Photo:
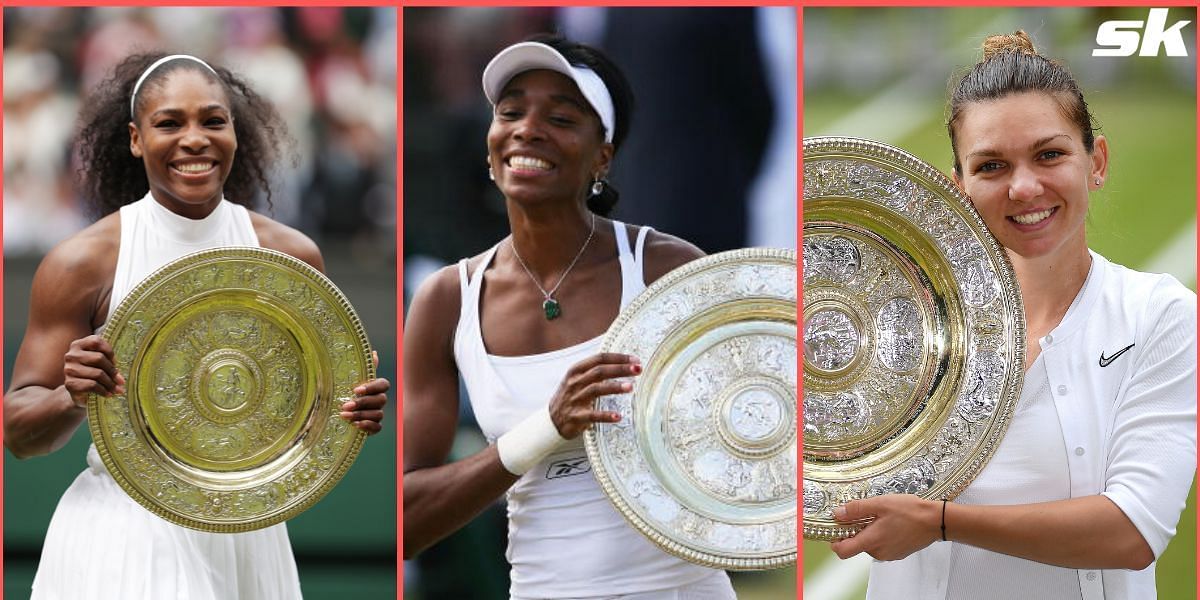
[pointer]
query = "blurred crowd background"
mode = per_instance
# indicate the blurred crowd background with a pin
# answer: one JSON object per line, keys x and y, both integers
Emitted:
{"x": 331, "y": 72}
{"x": 710, "y": 157}
{"x": 883, "y": 74}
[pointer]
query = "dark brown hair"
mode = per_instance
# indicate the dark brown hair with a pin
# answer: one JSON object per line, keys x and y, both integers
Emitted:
{"x": 112, "y": 177}
{"x": 1011, "y": 65}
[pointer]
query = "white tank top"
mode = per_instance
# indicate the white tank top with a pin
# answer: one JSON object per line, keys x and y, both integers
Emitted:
{"x": 152, "y": 236}
{"x": 565, "y": 539}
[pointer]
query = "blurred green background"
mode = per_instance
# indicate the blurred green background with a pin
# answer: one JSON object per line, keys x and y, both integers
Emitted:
{"x": 883, "y": 74}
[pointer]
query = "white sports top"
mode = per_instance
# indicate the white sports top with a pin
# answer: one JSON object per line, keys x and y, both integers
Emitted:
{"x": 1030, "y": 465}
{"x": 565, "y": 539}
{"x": 152, "y": 236}
{"x": 132, "y": 553}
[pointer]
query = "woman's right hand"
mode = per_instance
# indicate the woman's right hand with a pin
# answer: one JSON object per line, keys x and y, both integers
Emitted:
{"x": 88, "y": 369}
{"x": 598, "y": 375}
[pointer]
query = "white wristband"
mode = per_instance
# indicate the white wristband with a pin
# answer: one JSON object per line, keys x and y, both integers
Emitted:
{"x": 529, "y": 442}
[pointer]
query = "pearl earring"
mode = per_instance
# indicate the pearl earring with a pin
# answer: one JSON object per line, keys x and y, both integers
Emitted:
{"x": 597, "y": 187}
{"x": 491, "y": 174}
{"x": 1098, "y": 182}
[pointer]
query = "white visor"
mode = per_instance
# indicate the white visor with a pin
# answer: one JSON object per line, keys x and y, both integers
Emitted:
{"x": 527, "y": 56}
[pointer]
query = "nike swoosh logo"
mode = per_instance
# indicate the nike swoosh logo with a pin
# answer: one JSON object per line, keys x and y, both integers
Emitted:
{"x": 1104, "y": 362}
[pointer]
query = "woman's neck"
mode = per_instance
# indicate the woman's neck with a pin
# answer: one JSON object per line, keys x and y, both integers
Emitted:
{"x": 1049, "y": 285}
{"x": 548, "y": 238}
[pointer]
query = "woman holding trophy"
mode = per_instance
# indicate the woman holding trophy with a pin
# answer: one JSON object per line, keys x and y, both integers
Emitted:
{"x": 1086, "y": 487}
{"x": 522, "y": 323}
{"x": 195, "y": 143}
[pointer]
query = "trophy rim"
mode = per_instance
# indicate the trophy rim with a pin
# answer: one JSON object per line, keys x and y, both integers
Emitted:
{"x": 923, "y": 175}
{"x": 600, "y": 468}
{"x": 263, "y": 258}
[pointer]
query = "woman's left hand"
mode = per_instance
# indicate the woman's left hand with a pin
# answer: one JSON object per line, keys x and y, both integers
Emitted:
{"x": 903, "y": 524}
{"x": 365, "y": 411}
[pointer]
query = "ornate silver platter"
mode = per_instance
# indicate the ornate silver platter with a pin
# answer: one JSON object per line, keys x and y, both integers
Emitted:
{"x": 703, "y": 461}
{"x": 236, "y": 361}
{"x": 913, "y": 331}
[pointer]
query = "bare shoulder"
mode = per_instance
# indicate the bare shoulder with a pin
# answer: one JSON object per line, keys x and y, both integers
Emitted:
{"x": 88, "y": 257}
{"x": 77, "y": 274}
{"x": 276, "y": 236}
{"x": 664, "y": 252}
{"x": 437, "y": 298}
{"x": 431, "y": 319}
{"x": 441, "y": 288}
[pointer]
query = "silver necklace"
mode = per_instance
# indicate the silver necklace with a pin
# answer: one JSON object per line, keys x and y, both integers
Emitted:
{"x": 550, "y": 306}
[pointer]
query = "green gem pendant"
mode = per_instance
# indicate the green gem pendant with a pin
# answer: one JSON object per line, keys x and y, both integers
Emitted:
{"x": 551, "y": 308}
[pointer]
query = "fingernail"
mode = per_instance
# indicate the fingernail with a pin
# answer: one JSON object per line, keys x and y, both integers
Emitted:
{"x": 637, "y": 369}
{"x": 346, "y": 415}
{"x": 615, "y": 417}
{"x": 360, "y": 390}
{"x": 627, "y": 387}
{"x": 839, "y": 513}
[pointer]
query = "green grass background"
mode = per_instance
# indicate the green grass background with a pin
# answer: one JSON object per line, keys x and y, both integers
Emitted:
{"x": 1145, "y": 106}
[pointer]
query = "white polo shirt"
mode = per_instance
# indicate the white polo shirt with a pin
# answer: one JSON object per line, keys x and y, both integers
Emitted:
{"x": 1121, "y": 371}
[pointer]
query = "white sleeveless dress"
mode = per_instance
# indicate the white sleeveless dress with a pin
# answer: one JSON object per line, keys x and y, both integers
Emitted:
{"x": 101, "y": 545}
{"x": 565, "y": 539}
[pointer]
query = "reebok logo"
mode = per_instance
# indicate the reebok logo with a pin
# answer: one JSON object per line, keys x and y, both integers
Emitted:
{"x": 568, "y": 467}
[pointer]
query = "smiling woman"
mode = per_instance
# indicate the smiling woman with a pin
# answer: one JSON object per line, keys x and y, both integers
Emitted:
{"x": 1084, "y": 491}
{"x": 522, "y": 323}
{"x": 165, "y": 130}
{"x": 187, "y": 142}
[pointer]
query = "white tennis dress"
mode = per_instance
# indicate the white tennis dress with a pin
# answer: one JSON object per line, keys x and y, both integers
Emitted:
{"x": 565, "y": 539}
{"x": 101, "y": 545}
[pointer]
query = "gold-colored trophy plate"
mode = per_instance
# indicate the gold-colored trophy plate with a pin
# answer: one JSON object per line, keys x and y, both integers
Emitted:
{"x": 914, "y": 332}
{"x": 236, "y": 362}
{"x": 703, "y": 460}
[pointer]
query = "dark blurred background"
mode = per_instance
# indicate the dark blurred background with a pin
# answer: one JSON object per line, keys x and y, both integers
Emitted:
{"x": 331, "y": 72}
{"x": 711, "y": 157}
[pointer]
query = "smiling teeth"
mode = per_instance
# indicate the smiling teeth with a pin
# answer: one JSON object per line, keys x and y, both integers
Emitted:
{"x": 528, "y": 162}
{"x": 194, "y": 167}
{"x": 1031, "y": 218}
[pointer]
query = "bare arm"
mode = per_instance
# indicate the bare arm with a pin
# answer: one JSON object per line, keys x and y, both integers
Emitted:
{"x": 439, "y": 498}
{"x": 663, "y": 253}
{"x": 1082, "y": 533}
{"x": 281, "y": 238}
{"x": 60, "y": 361}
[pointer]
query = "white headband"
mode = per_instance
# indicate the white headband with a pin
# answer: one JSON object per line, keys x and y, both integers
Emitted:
{"x": 527, "y": 56}
{"x": 156, "y": 64}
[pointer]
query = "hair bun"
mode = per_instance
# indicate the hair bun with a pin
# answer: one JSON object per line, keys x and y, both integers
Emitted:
{"x": 1017, "y": 42}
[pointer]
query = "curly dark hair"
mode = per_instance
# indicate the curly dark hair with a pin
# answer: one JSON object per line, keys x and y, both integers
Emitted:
{"x": 111, "y": 177}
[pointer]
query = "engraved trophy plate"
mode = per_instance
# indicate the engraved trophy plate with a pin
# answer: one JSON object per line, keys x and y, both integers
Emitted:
{"x": 913, "y": 331}
{"x": 236, "y": 361}
{"x": 703, "y": 461}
